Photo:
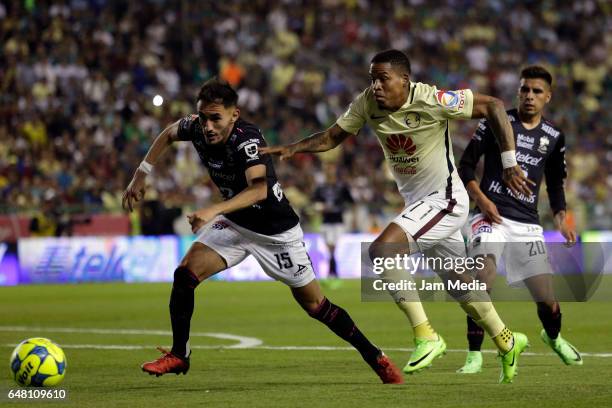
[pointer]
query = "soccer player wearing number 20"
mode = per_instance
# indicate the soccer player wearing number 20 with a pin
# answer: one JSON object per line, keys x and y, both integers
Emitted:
{"x": 507, "y": 218}
{"x": 255, "y": 218}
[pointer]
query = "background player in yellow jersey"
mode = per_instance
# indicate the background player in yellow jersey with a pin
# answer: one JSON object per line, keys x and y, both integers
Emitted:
{"x": 411, "y": 122}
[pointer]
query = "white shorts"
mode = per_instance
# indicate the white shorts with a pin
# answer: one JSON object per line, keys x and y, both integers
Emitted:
{"x": 332, "y": 232}
{"x": 283, "y": 256}
{"x": 435, "y": 222}
{"x": 520, "y": 245}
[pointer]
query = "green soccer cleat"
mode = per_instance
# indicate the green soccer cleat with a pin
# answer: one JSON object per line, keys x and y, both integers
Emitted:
{"x": 568, "y": 353}
{"x": 473, "y": 363}
{"x": 424, "y": 353}
{"x": 509, "y": 361}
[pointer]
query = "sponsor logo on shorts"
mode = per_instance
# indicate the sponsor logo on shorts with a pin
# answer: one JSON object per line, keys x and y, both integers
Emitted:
{"x": 219, "y": 225}
{"x": 481, "y": 226}
{"x": 300, "y": 271}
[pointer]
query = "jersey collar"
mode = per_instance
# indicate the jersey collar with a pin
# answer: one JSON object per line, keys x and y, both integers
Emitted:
{"x": 410, "y": 97}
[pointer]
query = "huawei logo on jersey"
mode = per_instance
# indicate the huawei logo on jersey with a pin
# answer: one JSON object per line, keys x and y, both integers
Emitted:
{"x": 396, "y": 143}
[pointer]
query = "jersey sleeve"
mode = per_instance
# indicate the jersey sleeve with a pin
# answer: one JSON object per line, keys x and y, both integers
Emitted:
{"x": 186, "y": 128}
{"x": 556, "y": 173}
{"x": 443, "y": 105}
{"x": 355, "y": 116}
{"x": 248, "y": 146}
{"x": 474, "y": 150}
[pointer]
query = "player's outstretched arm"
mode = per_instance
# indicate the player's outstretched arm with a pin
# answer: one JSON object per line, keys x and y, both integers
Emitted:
{"x": 256, "y": 191}
{"x": 317, "y": 142}
{"x": 494, "y": 111}
{"x": 135, "y": 190}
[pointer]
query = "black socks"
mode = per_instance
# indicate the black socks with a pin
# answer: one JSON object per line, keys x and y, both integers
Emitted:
{"x": 475, "y": 334}
{"x": 550, "y": 316}
{"x": 181, "y": 309}
{"x": 339, "y": 321}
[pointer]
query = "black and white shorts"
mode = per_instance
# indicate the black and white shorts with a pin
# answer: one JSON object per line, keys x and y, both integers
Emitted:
{"x": 283, "y": 256}
{"x": 520, "y": 245}
{"x": 435, "y": 221}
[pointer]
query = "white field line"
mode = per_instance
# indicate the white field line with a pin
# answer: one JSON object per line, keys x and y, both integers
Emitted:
{"x": 243, "y": 342}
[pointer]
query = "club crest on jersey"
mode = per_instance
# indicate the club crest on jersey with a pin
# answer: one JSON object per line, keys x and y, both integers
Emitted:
{"x": 481, "y": 226}
{"x": 448, "y": 99}
{"x": 396, "y": 143}
{"x": 251, "y": 150}
{"x": 413, "y": 120}
{"x": 544, "y": 142}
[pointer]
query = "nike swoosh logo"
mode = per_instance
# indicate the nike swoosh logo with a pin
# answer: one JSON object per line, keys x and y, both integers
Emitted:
{"x": 577, "y": 353}
{"x": 512, "y": 363}
{"x": 421, "y": 359}
{"x": 374, "y": 117}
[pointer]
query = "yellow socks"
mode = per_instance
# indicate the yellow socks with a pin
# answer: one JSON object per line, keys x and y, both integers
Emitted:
{"x": 425, "y": 331}
{"x": 504, "y": 340}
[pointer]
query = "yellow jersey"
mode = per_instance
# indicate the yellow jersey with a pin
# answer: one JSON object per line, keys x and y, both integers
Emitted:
{"x": 415, "y": 138}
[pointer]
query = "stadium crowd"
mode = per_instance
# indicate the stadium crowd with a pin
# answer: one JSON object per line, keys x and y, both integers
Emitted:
{"x": 77, "y": 80}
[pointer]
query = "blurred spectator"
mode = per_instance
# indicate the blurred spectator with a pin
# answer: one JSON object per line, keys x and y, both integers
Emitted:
{"x": 77, "y": 83}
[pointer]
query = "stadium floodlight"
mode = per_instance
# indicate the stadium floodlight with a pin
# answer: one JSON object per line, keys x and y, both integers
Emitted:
{"x": 158, "y": 100}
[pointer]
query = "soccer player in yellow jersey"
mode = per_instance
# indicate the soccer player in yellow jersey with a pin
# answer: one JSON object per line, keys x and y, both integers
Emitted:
{"x": 410, "y": 120}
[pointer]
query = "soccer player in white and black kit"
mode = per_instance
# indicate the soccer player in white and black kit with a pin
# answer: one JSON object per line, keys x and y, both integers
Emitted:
{"x": 255, "y": 218}
{"x": 503, "y": 217}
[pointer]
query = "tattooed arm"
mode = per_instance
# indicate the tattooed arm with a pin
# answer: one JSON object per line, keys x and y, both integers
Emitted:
{"x": 317, "y": 142}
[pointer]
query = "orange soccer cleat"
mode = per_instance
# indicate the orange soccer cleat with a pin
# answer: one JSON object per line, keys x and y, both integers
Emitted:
{"x": 387, "y": 371}
{"x": 168, "y": 363}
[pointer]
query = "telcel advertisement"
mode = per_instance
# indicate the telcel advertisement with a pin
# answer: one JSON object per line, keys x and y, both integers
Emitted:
{"x": 85, "y": 259}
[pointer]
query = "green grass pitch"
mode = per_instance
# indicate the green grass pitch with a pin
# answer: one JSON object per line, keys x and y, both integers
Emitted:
{"x": 93, "y": 321}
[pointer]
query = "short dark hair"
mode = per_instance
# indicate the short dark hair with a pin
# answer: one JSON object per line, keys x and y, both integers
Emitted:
{"x": 536, "y": 72}
{"x": 216, "y": 90}
{"x": 393, "y": 57}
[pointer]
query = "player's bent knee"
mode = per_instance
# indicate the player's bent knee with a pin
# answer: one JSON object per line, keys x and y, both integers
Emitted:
{"x": 391, "y": 243}
{"x": 185, "y": 278}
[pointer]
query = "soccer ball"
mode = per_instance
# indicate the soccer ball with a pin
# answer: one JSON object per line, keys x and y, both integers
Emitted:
{"x": 38, "y": 362}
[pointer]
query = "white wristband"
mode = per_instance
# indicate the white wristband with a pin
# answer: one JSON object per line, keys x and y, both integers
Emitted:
{"x": 145, "y": 167}
{"x": 508, "y": 159}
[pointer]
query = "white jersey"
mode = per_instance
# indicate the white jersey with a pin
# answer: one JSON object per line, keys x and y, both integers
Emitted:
{"x": 415, "y": 138}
